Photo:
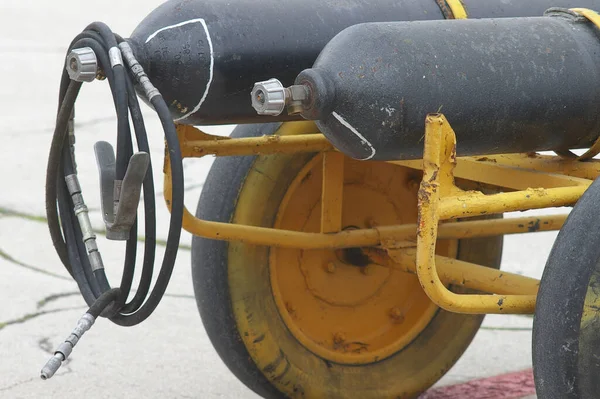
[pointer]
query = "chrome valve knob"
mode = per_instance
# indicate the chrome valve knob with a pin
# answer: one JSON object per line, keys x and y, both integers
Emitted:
{"x": 82, "y": 64}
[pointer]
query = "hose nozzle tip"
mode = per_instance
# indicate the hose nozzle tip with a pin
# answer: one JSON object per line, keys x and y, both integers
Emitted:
{"x": 65, "y": 349}
{"x": 52, "y": 366}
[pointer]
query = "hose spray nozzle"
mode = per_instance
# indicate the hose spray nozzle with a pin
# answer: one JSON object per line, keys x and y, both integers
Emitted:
{"x": 64, "y": 349}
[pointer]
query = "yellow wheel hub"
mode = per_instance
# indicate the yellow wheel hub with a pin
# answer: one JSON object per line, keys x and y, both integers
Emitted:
{"x": 334, "y": 302}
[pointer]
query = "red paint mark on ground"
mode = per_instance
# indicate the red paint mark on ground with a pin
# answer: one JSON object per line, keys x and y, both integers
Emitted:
{"x": 506, "y": 386}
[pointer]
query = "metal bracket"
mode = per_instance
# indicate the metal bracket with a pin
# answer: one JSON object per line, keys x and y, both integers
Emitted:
{"x": 119, "y": 198}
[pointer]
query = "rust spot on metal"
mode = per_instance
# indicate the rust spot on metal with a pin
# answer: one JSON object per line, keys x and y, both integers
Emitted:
{"x": 290, "y": 308}
{"x": 339, "y": 338}
{"x": 259, "y": 339}
{"x": 198, "y": 150}
{"x": 284, "y": 372}
{"x": 269, "y": 368}
{"x": 533, "y": 226}
{"x": 299, "y": 390}
{"x": 486, "y": 159}
{"x": 356, "y": 347}
{"x": 305, "y": 178}
{"x": 446, "y": 11}
{"x": 273, "y": 138}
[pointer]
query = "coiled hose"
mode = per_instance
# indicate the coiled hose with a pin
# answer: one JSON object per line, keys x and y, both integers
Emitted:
{"x": 65, "y": 231}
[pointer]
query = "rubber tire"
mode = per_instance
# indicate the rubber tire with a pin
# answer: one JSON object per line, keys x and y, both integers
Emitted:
{"x": 210, "y": 265}
{"x": 566, "y": 347}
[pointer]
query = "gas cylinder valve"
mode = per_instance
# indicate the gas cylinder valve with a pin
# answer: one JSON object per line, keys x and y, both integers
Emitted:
{"x": 270, "y": 97}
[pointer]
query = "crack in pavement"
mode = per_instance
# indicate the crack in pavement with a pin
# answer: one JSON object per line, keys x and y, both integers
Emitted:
{"x": 8, "y": 258}
{"x": 51, "y": 298}
{"x": 44, "y": 343}
{"x": 17, "y": 384}
{"x": 4, "y": 211}
{"x": 47, "y": 347}
{"x": 28, "y": 316}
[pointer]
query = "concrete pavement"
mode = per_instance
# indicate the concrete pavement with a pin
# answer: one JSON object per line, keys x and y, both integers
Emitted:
{"x": 168, "y": 356}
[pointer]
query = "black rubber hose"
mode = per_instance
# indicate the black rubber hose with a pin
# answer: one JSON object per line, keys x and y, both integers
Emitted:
{"x": 100, "y": 39}
{"x": 88, "y": 34}
{"x": 70, "y": 248}
{"x": 52, "y": 172}
{"x": 129, "y": 264}
{"x": 131, "y": 245}
{"x": 96, "y": 281}
{"x": 123, "y": 130}
{"x": 93, "y": 40}
{"x": 74, "y": 228}
{"x": 64, "y": 81}
{"x": 149, "y": 205}
{"x": 103, "y": 30}
{"x": 123, "y": 133}
{"x": 72, "y": 252}
{"x": 103, "y": 302}
{"x": 174, "y": 234}
{"x": 88, "y": 39}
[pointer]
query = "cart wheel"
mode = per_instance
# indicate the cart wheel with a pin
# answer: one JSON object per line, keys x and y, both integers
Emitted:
{"x": 309, "y": 323}
{"x": 566, "y": 327}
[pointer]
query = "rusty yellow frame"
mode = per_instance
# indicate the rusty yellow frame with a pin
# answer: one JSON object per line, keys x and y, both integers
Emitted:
{"x": 530, "y": 181}
{"x": 439, "y": 199}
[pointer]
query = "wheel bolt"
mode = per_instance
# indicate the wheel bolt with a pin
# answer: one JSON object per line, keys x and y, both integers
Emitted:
{"x": 396, "y": 315}
{"x": 413, "y": 184}
{"x": 290, "y": 308}
{"x": 368, "y": 270}
{"x": 330, "y": 268}
{"x": 371, "y": 223}
{"x": 339, "y": 338}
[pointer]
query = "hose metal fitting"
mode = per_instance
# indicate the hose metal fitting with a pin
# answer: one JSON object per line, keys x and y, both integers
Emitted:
{"x": 82, "y": 64}
{"x": 64, "y": 350}
{"x": 140, "y": 76}
{"x": 82, "y": 213}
